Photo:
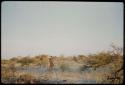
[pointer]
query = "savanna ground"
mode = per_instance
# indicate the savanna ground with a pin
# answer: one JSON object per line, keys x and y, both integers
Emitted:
{"x": 105, "y": 67}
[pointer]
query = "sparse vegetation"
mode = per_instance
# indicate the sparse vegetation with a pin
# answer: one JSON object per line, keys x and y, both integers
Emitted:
{"x": 88, "y": 68}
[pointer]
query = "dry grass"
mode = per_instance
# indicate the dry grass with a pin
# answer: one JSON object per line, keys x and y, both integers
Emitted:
{"x": 66, "y": 64}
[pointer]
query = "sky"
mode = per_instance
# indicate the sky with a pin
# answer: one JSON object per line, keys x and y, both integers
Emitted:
{"x": 56, "y": 28}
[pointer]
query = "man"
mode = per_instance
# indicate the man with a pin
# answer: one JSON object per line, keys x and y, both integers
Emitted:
{"x": 51, "y": 64}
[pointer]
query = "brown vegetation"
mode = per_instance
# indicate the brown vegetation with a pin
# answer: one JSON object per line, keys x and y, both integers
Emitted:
{"x": 107, "y": 59}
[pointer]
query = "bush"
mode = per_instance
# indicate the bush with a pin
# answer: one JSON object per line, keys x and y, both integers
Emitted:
{"x": 75, "y": 59}
{"x": 26, "y": 79}
{"x": 44, "y": 60}
{"x": 4, "y": 61}
{"x": 64, "y": 66}
{"x": 83, "y": 68}
{"x": 7, "y": 73}
{"x": 25, "y": 61}
{"x": 99, "y": 59}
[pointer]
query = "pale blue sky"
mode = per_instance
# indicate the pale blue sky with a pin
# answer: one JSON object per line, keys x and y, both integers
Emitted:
{"x": 54, "y": 28}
